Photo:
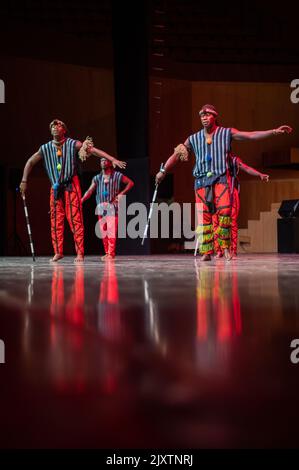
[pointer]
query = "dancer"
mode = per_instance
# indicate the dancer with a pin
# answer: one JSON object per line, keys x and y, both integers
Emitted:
{"x": 211, "y": 147}
{"x": 107, "y": 187}
{"x": 235, "y": 165}
{"x": 60, "y": 157}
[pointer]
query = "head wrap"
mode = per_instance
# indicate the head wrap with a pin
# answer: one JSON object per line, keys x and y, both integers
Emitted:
{"x": 208, "y": 108}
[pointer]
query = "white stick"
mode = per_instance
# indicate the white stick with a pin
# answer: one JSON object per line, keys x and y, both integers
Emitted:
{"x": 28, "y": 227}
{"x": 196, "y": 246}
{"x": 151, "y": 209}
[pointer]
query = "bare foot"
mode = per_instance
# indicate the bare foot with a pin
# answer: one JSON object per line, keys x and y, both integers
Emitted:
{"x": 219, "y": 255}
{"x": 56, "y": 258}
{"x": 227, "y": 254}
{"x": 106, "y": 257}
{"x": 205, "y": 258}
{"x": 79, "y": 259}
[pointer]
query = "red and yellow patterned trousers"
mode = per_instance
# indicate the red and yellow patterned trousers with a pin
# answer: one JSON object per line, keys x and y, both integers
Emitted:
{"x": 205, "y": 230}
{"x": 69, "y": 205}
{"x": 234, "y": 225}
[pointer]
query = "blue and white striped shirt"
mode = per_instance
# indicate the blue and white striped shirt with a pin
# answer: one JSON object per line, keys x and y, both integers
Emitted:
{"x": 68, "y": 161}
{"x": 107, "y": 192}
{"x": 211, "y": 157}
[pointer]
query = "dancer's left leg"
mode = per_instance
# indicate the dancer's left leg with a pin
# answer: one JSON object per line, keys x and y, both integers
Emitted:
{"x": 74, "y": 216}
{"x": 223, "y": 210}
{"x": 234, "y": 229}
{"x": 112, "y": 224}
{"x": 204, "y": 229}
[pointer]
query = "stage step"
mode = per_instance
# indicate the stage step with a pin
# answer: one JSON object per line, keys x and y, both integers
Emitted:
{"x": 261, "y": 234}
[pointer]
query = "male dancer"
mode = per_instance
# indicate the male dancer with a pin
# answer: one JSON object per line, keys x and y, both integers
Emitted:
{"x": 60, "y": 157}
{"x": 107, "y": 187}
{"x": 211, "y": 147}
{"x": 235, "y": 164}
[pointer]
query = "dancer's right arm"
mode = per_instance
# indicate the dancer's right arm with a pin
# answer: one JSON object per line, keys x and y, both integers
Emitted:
{"x": 33, "y": 160}
{"x": 89, "y": 192}
{"x": 181, "y": 152}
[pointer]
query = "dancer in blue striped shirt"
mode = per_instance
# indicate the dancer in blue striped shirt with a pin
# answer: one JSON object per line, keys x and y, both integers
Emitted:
{"x": 211, "y": 147}
{"x": 60, "y": 157}
{"x": 107, "y": 186}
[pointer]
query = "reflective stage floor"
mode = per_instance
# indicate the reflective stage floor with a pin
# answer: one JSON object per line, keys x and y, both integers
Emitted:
{"x": 149, "y": 352}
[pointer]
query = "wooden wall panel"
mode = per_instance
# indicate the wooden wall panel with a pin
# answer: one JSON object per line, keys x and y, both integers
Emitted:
{"x": 38, "y": 91}
{"x": 250, "y": 106}
{"x": 170, "y": 117}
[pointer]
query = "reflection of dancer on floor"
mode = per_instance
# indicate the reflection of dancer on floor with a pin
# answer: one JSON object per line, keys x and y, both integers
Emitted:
{"x": 218, "y": 305}
{"x": 109, "y": 320}
{"x": 67, "y": 329}
{"x": 60, "y": 157}
{"x": 235, "y": 165}
{"x": 71, "y": 308}
{"x": 211, "y": 147}
{"x": 107, "y": 186}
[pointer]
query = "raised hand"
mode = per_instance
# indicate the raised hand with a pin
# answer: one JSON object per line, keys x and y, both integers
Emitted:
{"x": 283, "y": 130}
{"x": 119, "y": 163}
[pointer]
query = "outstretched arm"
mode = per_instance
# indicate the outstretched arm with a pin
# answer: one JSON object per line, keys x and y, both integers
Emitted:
{"x": 33, "y": 160}
{"x": 252, "y": 171}
{"x": 91, "y": 150}
{"x": 89, "y": 192}
{"x": 181, "y": 152}
{"x": 101, "y": 154}
{"x": 260, "y": 135}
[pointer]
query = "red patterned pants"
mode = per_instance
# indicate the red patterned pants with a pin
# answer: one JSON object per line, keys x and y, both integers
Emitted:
{"x": 205, "y": 230}
{"x": 69, "y": 205}
{"x": 234, "y": 225}
{"x": 108, "y": 227}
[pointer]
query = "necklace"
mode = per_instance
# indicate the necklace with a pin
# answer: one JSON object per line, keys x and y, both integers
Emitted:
{"x": 209, "y": 137}
{"x": 106, "y": 177}
{"x": 58, "y": 146}
{"x": 209, "y": 140}
{"x": 105, "y": 190}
